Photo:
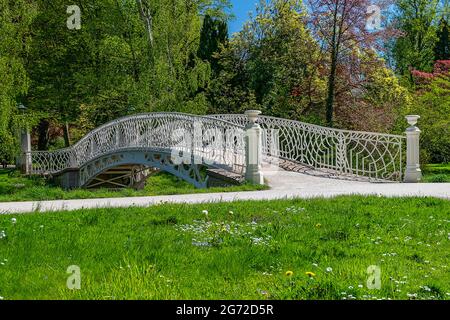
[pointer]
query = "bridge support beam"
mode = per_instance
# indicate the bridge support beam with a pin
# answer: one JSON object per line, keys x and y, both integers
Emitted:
{"x": 413, "y": 173}
{"x": 253, "y": 148}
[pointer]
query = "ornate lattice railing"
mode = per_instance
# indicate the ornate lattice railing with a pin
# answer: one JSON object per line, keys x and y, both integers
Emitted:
{"x": 218, "y": 140}
{"x": 341, "y": 152}
{"x": 211, "y": 141}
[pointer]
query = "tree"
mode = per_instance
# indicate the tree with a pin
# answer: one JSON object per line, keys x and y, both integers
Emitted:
{"x": 347, "y": 45}
{"x": 432, "y": 102}
{"x": 442, "y": 49}
{"x": 15, "y": 19}
{"x": 270, "y": 65}
{"x": 129, "y": 56}
{"x": 417, "y": 19}
{"x": 214, "y": 33}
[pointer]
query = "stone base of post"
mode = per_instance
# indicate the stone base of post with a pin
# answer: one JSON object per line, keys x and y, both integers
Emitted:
{"x": 413, "y": 175}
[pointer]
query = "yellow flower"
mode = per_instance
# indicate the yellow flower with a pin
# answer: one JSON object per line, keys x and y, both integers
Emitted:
{"x": 289, "y": 273}
{"x": 318, "y": 225}
{"x": 310, "y": 274}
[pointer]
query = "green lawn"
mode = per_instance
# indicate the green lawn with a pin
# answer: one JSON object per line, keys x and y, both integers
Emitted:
{"x": 180, "y": 252}
{"x": 436, "y": 173}
{"x": 14, "y": 187}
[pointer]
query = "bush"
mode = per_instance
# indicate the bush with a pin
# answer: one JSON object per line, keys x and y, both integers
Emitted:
{"x": 433, "y": 105}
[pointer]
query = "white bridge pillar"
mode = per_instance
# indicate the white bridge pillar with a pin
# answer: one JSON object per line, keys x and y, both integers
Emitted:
{"x": 253, "y": 148}
{"x": 413, "y": 173}
{"x": 25, "y": 146}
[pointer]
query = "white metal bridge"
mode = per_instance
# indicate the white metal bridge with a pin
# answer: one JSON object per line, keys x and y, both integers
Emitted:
{"x": 186, "y": 145}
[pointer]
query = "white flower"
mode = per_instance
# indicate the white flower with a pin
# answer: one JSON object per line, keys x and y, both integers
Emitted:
{"x": 1, "y": 298}
{"x": 231, "y": 212}
{"x": 329, "y": 269}
{"x": 2, "y": 234}
{"x": 205, "y": 212}
{"x": 360, "y": 286}
{"x": 315, "y": 265}
{"x": 350, "y": 287}
{"x": 14, "y": 220}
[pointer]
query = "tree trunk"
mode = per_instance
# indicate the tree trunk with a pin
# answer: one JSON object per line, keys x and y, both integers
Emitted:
{"x": 66, "y": 131}
{"x": 43, "y": 137}
{"x": 332, "y": 75}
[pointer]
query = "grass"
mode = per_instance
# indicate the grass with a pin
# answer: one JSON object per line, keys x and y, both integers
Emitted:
{"x": 181, "y": 252}
{"x": 14, "y": 187}
{"x": 436, "y": 173}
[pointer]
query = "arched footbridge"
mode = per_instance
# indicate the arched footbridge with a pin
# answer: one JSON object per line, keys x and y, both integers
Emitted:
{"x": 203, "y": 150}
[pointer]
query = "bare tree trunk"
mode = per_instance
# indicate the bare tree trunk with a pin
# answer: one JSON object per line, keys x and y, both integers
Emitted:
{"x": 66, "y": 131}
{"x": 146, "y": 16}
{"x": 332, "y": 75}
{"x": 43, "y": 138}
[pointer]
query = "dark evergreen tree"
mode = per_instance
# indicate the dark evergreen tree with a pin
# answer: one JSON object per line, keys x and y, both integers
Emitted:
{"x": 214, "y": 33}
{"x": 442, "y": 50}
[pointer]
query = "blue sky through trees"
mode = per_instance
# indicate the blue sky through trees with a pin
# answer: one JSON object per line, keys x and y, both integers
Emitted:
{"x": 241, "y": 9}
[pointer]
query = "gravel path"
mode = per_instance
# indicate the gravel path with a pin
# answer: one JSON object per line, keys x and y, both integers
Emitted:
{"x": 284, "y": 185}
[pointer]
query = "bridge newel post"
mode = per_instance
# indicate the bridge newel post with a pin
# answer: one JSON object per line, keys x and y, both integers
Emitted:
{"x": 253, "y": 148}
{"x": 25, "y": 146}
{"x": 413, "y": 173}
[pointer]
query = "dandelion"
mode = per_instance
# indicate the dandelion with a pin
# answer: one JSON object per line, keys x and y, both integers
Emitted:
{"x": 263, "y": 292}
{"x": 310, "y": 274}
{"x": 329, "y": 269}
{"x": 231, "y": 212}
{"x": 318, "y": 225}
{"x": 289, "y": 273}
{"x": 13, "y": 220}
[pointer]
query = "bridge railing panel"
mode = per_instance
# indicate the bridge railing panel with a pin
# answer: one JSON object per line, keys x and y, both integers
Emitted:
{"x": 213, "y": 141}
{"x": 375, "y": 156}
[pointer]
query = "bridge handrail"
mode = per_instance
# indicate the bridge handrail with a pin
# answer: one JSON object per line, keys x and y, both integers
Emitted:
{"x": 59, "y": 160}
{"x": 377, "y": 156}
{"x": 244, "y": 119}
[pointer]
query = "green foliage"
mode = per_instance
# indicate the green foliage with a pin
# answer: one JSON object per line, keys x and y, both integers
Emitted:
{"x": 415, "y": 49}
{"x": 436, "y": 173}
{"x": 157, "y": 252}
{"x": 214, "y": 33}
{"x": 15, "y": 20}
{"x": 270, "y": 65}
{"x": 442, "y": 49}
{"x": 433, "y": 105}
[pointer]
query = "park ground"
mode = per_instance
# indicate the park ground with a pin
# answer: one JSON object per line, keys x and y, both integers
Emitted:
{"x": 284, "y": 249}
{"x": 14, "y": 187}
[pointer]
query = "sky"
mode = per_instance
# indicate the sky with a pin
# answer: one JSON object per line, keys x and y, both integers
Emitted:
{"x": 241, "y": 9}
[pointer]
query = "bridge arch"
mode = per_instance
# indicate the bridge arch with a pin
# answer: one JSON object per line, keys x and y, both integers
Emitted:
{"x": 147, "y": 158}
